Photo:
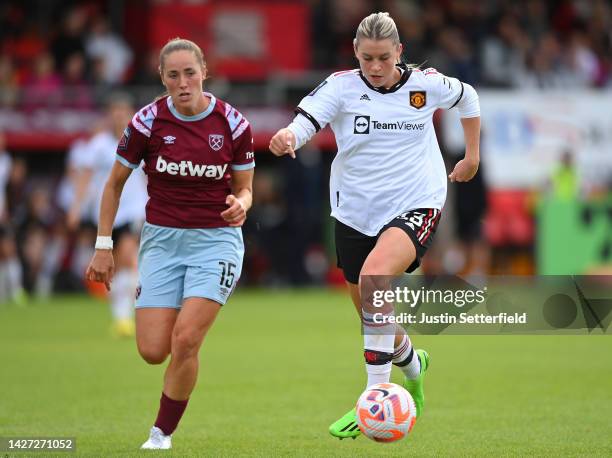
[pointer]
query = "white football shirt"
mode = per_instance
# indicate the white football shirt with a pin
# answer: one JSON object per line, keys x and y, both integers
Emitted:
{"x": 5, "y": 171}
{"x": 101, "y": 156}
{"x": 388, "y": 160}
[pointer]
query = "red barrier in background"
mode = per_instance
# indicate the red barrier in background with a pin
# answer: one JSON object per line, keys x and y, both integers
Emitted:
{"x": 240, "y": 40}
{"x": 48, "y": 130}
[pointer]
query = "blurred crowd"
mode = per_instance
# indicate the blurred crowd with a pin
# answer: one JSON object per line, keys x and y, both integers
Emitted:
{"x": 73, "y": 54}
{"x": 497, "y": 43}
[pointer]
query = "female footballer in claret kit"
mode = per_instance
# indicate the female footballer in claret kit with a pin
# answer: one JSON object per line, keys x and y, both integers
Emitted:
{"x": 388, "y": 180}
{"x": 198, "y": 156}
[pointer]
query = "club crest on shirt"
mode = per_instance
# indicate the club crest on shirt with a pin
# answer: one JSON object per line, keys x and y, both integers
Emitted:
{"x": 215, "y": 141}
{"x": 418, "y": 99}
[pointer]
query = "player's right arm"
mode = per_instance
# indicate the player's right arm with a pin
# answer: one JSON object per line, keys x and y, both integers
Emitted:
{"x": 102, "y": 266}
{"x": 130, "y": 152}
{"x": 314, "y": 112}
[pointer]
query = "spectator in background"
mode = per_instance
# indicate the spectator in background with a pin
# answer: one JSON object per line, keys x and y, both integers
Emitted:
{"x": 76, "y": 91}
{"x": 43, "y": 88}
{"x": 546, "y": 66}
{"x": 9, "y": 82}
{"x": 11, "y": 286}
{"x": 345, "y": 14}
{"x": 455, "y": 56}
{"x": 503, "y": 54}
{"x": 470, "y": 205}
{"x": 582, "y": 60}
{"x": 145, "y": 82}
{"x": 70, "y": 38}
{"x": 16, "y": 192}
{"x": 564, "y": 183}
{"x": 34, "y": 229}
{"x": 535, "y": 19}
{"x": 110, "y": 52}
{"x": 410, "y": 20}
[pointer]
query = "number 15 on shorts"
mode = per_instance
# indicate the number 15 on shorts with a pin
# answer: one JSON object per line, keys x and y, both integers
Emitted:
{"x": 227, "y": 274}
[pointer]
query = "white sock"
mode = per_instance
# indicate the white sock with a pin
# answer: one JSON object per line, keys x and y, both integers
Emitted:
{"x": 4, "y": 289}
{"x": 406, "y": 359}
{"x": 14, "y": 275}
{"x": 378, "y": 346}
{"x": 122, "y": 294}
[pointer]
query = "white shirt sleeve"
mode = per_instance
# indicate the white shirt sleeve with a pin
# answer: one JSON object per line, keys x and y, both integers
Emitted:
{"x": 453, "y": 93}
{"x": 318, "y": 109}
{"x": 469, "y": 105}
{"x": 303, "y": 129}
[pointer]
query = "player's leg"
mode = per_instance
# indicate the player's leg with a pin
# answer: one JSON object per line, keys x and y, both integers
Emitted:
{"x": 193, "y": 322}
{"x": 393, "y": 254}
{"x": 10, "y": 269}
{"x": 125, "y": 282}
{"x": 352, "y": 249}
{"x": 214, "y": 257}
{"x": 409, "y": 236}
{"x": 158, "y": 300}
{"x": 154, "y": 327}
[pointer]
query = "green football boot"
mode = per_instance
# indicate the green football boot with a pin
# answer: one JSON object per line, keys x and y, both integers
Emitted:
{"x": 415, "y": 387}
{"x": 345, "y": 426}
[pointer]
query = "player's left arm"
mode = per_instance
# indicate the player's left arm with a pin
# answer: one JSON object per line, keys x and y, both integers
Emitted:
{"x": 467, "y": 167}
{"x": 241, "y": 198}
{"x": 456, "y": 94}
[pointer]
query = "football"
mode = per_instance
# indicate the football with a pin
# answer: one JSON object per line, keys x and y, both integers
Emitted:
{"x": 386, "y": 412}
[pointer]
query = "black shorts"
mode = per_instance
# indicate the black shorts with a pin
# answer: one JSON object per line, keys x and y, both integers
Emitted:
{"x": 132, "y": 228}
{"x": 353, "y": 247}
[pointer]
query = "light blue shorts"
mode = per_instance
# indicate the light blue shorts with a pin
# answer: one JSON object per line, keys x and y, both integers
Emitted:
{"x": 174, "y": 264}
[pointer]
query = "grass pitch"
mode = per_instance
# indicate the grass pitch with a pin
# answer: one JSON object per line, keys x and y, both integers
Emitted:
{"x": 278, "y": 367}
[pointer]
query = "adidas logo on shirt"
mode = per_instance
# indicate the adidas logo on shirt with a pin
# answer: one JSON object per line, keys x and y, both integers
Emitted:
{"x": 364, "y": 97}
{"x": 185, "y": 168}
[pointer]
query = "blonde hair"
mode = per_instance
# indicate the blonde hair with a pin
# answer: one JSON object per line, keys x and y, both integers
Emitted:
{"x": 180, "y": 44}
{"x": 377, "y": 26}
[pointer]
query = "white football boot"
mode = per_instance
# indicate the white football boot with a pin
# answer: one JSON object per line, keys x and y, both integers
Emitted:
{"x": 157, "y": 440}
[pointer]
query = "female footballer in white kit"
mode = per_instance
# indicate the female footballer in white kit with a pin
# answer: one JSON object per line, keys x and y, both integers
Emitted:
{"x": 198, "y": 157}
{"x": 388, "y": 180}
{"x": 91, "y": 164}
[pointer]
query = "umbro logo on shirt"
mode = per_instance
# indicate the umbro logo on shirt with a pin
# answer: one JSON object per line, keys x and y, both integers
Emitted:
{"x": 364, "y": 97}
{"x": 169, "y": 140}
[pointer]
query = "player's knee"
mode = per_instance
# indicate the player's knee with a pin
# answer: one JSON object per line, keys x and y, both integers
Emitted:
{"x": 377, "y": 358}
{"x": 185, "y": 344}
{"x": 375, "y": 265}
{"x": 153, "y": 355}
{"x": 371, "y": 284}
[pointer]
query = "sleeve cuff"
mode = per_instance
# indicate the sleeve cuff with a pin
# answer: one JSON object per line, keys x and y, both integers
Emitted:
{"x": 249, "y": 166}
{"x": 125, "y": 162}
